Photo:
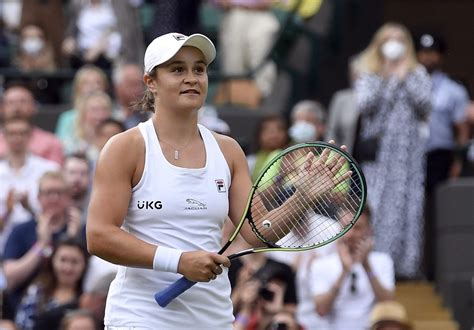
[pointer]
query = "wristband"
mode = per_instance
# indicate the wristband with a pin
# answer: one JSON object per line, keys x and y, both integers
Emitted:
{"x": 166, "y": 259}
{"x": 45, "y": 251}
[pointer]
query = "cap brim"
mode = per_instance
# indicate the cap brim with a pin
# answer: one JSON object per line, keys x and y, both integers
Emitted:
{"x": 204, "y": 44}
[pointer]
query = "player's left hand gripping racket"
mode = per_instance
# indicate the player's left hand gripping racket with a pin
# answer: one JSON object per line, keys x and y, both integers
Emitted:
{"x": 307, "y": 196}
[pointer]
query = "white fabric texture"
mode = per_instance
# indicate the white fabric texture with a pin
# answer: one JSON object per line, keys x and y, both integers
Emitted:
{"x": 179, "y": 208}
{"x": 350, "y": 310}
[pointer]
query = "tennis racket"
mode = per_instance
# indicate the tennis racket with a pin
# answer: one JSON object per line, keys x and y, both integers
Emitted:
{"x": 307, "y": 196}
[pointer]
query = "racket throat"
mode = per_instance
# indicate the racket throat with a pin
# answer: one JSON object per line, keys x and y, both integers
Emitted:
{"x": 241, "y": 253}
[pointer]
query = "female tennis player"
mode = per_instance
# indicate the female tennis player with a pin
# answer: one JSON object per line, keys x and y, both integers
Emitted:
{"x": 162, "y": 192}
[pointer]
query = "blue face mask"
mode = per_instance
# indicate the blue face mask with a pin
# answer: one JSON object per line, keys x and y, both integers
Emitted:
{"x": 302, "y": 131}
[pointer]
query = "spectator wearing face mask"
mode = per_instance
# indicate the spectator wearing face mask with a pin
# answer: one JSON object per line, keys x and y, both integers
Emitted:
{"x": 35, "y": 51}
{"x": 308, "y": 122}
{"x": 393, "y": 96}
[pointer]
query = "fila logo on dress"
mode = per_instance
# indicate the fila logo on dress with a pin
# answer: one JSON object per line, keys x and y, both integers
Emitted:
{"x": 220, "y": 186}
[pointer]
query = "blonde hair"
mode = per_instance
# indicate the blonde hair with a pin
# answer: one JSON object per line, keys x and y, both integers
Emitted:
{"x": 371, "y": 58}
{"x": 52, "y": 175}
{"x": 79, "y": 80}
{"x": 82, "y": 110}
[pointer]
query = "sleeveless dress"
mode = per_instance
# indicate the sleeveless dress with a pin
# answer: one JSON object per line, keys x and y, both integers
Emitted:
{"x": 180, "y": 208}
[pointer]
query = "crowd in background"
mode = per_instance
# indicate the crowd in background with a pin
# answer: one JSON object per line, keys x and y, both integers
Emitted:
{"x": 410, "y": 126}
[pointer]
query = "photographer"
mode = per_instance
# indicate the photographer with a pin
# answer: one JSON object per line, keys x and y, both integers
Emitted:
{"x": 263, "y": 288}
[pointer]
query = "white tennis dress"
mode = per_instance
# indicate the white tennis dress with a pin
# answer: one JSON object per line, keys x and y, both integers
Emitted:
{"x": 179, "y": 208}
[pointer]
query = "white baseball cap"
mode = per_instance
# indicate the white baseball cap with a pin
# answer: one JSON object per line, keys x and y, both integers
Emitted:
{"x": 164, "y": 47}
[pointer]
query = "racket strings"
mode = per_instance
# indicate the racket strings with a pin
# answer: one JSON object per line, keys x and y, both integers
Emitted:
{"x": 321, "y": 220}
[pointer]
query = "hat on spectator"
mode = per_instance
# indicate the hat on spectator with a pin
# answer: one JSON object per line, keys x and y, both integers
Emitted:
{"x": 430, "y": 41}
{"x": 389, "y": 311}
{"x": 164, "y": 47}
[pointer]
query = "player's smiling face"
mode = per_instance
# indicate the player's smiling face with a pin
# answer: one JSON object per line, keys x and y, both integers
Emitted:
{"x": 182, "y": 81}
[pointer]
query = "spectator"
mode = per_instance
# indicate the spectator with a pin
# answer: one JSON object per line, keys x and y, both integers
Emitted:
{"x": 347, "y": 283}
{"x": 105, "y": 130}
{"x": 30, "y": 243}
{"x": 94, "y": 295}
{"x": 468, "y": 150}
{"x": 389, "y": 315}
{"x": 129, "y": 89}
{"x": 393, "y": 95}
{"x": 209, "y": 118}
{"x": 301, "y": 262}
{"x": 260, "y": 299}
{"x": 19, "y": 175}
{"x": 5, "y": 46}
{"x": 92, "y": 36}
{"x": 35, "y": 51}
{"x": 343, "y": 113}
{"x": 7, "y": 325}
{"x": 18, "y": 101}
{"x": 87, "y": 79}
{"x": 78, "y": 320}
{"x": 77, "y": 172}
{"x": 257, "y": 28}
{"x": 173, "y": 16}
{"x": 129, "y": 26}
{"x": 11, "y": 15}
{"x": 56, "y": 289}
{"x": 263, "y": 270}
{"x": 308, "y": 122}
{"x": 271, "y": 138}
{"x": 448, "y": 124}
{"x": 448, "y": 131}
{"x": 92, "y": 109}
{"x": 40, "y": 12}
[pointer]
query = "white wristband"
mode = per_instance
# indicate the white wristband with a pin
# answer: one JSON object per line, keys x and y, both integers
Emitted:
{"x": 166, "y": 259}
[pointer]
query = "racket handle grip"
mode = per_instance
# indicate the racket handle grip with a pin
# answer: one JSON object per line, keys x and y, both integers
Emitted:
{"x": 164, "y": 297}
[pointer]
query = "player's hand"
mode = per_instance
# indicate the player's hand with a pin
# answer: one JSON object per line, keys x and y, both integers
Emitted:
{"x": 201, "y": 266}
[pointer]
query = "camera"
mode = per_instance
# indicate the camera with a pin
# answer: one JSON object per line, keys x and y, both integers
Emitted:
{"x": 266, "y": 294}
{"x": 279, "y": 326}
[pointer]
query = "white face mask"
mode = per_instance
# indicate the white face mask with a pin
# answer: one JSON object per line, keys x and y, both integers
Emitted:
{"x": 302, "y": 131}
{"x": 32, "y": 45}
{"x": 393, "y": 50}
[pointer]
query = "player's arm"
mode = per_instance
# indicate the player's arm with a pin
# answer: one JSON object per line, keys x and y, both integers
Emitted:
{"x": 110, "y": 197}
{"x": 240, "y": 187}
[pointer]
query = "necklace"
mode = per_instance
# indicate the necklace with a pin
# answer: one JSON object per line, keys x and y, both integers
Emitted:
{"x": 176, "y": 150}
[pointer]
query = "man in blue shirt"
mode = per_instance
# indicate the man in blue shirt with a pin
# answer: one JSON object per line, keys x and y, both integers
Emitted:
{"x": 31, "y": 242}
{"x": 448, "y": 129}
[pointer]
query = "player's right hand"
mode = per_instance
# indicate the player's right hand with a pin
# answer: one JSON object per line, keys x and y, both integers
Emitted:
{"x": 201, "y": 266}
